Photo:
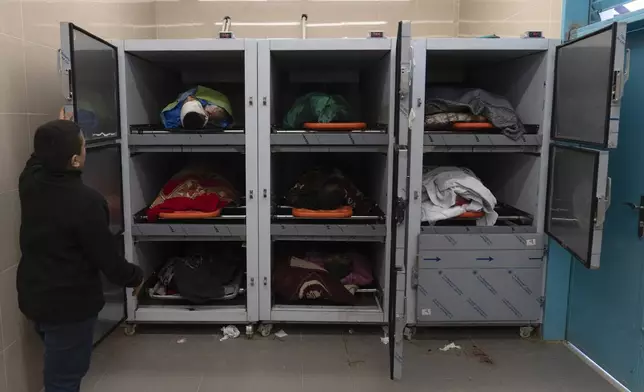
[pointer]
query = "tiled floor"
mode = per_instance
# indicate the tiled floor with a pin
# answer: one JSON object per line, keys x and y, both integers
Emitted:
{"x": 333, "y": 360}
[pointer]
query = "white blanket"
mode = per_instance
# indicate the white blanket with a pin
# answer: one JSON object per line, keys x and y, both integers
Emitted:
{"x": 440, "y": 188}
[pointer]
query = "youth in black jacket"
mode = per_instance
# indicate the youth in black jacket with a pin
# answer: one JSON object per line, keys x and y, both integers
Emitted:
{"x": 65, "y": 242}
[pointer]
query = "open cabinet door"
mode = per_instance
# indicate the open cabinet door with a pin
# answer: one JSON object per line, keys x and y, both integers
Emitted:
{"x": 586, "y": 110}
{"x": 400, "y": 184}
{"x": 578, "y": 197}
{"x": 590, "y": 73}
{"x": 92, "y": 90}
{"x": 92, "y": 85}
{"x": 103, "y": 173}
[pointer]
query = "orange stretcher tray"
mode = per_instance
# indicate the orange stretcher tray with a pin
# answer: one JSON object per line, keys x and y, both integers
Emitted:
{"x": 472, "y": 214}
{"x": 471, "y": 126}
{"x": 350, "y": 126}
{"x": 189, "y": 214}
{"x": 343, "y": 212}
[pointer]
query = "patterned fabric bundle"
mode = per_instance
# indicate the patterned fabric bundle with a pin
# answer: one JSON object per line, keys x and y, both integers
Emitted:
{"x": 473, "y": 102}
{"x": 193, "y": 190}
{"x": 332, "y": 276}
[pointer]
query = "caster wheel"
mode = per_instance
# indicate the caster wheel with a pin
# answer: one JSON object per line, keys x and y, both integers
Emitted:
{"x": 265, "y": 330}
{"x": 409, "y": 333}
{"x": 526, "y": 332}
{"x": 130, "y": 330}
{"x": 250, "y": 331}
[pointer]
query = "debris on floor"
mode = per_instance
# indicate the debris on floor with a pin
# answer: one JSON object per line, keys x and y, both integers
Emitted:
{"x": 385, "y": 338}
{"x": 182, "y": 341}
{"x": 265, "y": 329}
{"x": 481, "y": 355}
{"x": 281, "y": 334}
{"x": 230, "y": 332}
{"x": 450, "y": 346}
{"x": 350, "y": 331}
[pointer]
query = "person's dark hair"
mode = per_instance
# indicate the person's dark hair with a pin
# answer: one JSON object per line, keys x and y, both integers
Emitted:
{"x": 56, "y": 142}
{"x": 193, "y": 121}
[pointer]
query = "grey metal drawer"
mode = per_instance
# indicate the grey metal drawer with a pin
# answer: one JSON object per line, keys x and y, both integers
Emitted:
{"x": 151, "y": 230}
{"x": 312, "y": 230}
{"x": 495, "y": 295}
{"x": 527, "y": 241}
{"x": 480, "y": 259}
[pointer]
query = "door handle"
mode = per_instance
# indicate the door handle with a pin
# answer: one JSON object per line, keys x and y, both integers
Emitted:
{"x": 640, "y": 215}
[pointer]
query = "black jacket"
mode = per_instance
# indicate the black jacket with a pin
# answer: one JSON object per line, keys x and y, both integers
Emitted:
{"x": 65, "y": 242}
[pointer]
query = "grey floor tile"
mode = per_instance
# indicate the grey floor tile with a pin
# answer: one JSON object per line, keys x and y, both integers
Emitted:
{"x": 253, "y": 383}
{"x": 117, "y": 383}
{"x": 96, "y": 372}
{"x": 313, "y": 359}
{"x": 327, "y": 383}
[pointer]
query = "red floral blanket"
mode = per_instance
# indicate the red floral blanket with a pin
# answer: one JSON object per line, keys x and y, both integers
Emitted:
{"x": 193, "y": 190}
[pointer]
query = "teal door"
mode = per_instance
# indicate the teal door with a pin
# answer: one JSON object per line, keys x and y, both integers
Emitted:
{"x": 605, "y": 317}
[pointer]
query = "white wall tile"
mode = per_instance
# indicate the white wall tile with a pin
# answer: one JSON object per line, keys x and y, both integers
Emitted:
{"x": 14, "y": 149}
{"x": 44, "y": 82}
{"x": 13, "y": 321}
{"x": 11, "y": 18}
{"x": 3, "y": 376}
{"x": 12, "y": 76}
{"x": 9, "y": 231}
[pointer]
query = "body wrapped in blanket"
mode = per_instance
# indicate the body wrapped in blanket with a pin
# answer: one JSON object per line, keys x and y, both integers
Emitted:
{"x": 197, "y": 191}
{"x": 449, "y": 192}
{"x": 328, "y": 189}
{"x": 330, "y": 276}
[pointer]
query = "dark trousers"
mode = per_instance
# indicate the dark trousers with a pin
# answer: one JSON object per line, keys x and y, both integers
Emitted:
{"x": 68, "y": 349}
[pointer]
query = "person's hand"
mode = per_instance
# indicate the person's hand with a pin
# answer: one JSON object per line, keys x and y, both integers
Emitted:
{"x": 65, "y": 116}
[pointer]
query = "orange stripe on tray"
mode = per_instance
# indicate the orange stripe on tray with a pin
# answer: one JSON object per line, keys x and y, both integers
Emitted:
{"x": 342, "y": 212}
{"x": 349, "y": 126}
{"x": 190, "y": 214}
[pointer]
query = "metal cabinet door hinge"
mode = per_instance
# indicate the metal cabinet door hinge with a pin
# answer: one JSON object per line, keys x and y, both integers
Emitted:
{"x": 400, "y": 208}
{"x": 400, "y": 147}
{"x": 65, "y": 72}
{"x": 414, "y": 276}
